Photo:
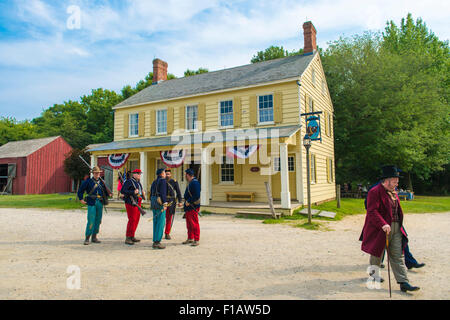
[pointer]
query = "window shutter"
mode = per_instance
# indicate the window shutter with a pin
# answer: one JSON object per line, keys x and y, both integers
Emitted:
{"x": 328, "y": 170}
{"x": 202, "y": 114}
{"x": 237, "y": 173}
{"x": 126, "y": 122}
{"x": 253, "y": 111}
{"x": 151, "y": 174}
{"x": 141, "y": 124}
{"x": 215, "y": 173}
{"x": 237, "y": 112}
{"x": 277, "y": 107}
{"x": 153, "y": 122}
{"x": 182, "y": 117}
{"x": 169, "y": 120}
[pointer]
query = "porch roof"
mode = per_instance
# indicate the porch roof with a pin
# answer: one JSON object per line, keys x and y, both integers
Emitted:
{"x": 197, "y": 138}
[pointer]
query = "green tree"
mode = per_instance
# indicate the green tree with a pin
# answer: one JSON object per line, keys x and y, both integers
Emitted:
{"x": 189, "y": 72}
{"x": 273, "y": 52}
{"x": 74, "y": 166}
{"x": 13, "y": 130}
{"x": 389, "y": 103}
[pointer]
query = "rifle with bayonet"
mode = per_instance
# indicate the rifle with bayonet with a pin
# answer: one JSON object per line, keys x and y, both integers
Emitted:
{"x": 133, "y": 200}
{"x": 105, "y": 196}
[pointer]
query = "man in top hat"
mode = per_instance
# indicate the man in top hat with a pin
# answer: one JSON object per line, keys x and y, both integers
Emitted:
{"x": 384, "y": 218}
{"x": 133, "y": 195}
{"x": 159, "y": 188}
{"x": 95, "y": 190}
{"x": 192, "y": 208}
{"x": 173, "y": 194}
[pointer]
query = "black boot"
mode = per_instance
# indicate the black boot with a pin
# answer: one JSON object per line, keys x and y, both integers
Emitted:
{"x": 417, "y": 265}
{"x": 94, "y": 239}
{"x": 135, "y": 240}
{"x": 129, "y": 241}
{"x": 405, "y": 286}
{"x": 86, "y": 241}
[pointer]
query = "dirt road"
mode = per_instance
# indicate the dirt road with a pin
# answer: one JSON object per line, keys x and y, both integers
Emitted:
{"x": 237, "y": 259}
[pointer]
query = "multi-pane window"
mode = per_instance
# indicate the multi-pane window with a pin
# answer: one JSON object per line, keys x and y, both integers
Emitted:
{"x": 265, "y": 107}
{"x": 226, "y": 171}
{"x": 291, "y": 164}
{"x": 329, "y": 123}
{"x": 226, "y": 113}
{"x": 161, "y": 121}
{"x": 312, "y": 167}
{"x": 330, "y": 170}
{"x": 133, "y": 125}
{"x": 191, "y": 117}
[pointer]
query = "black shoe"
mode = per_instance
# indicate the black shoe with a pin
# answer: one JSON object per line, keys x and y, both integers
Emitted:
{"x": 135, "y": 240}
{"x": 405, "y": 286}
{"x": 417, "y": 265}
{"x": 94, "y": 239}
{"x": 168, "y": 237}
{"x": 381, "y": 266}
{"x": 129, "y": 241}
{"x": 86, "y": 241}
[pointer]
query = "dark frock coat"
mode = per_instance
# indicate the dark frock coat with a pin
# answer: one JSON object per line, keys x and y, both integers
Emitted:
{"x": 379, "y": 213}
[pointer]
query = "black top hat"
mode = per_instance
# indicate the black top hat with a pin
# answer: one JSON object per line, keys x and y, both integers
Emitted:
{"x": 390, "y": 172}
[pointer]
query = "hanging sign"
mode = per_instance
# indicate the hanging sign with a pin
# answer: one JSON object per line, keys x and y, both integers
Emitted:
{"x": 313, "y": 127}
{"x": 116, "y": 161}
{"x": 241, "y": 151}
{"x": 173, "y": 159}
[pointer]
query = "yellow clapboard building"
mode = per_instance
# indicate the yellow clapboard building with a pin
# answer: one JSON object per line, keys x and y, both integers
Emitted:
{"x": 238, "y": 128}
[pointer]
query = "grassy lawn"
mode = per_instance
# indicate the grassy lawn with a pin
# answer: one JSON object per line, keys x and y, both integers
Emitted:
{"x": 52, "y": 201}
{"x": 420, "y": 204}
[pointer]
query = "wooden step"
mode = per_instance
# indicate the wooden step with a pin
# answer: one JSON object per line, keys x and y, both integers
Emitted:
{"x": 258, "y": 213}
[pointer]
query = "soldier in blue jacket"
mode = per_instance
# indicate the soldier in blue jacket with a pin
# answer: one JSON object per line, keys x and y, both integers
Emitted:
{"x": 159, "y": 188}
{"x": 192, "y": 208}
{"x": 95, "y": 190}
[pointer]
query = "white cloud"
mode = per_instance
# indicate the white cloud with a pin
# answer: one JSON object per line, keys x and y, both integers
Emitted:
{"x": 116, "y": 44}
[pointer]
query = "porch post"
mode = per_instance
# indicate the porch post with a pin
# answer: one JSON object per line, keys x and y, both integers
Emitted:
{"x": 93, "y": 162}
{"x": 299, "y": 175}
{"x": 143, "y": 167}
{"x": 204, "y": 194}
{"x": 284, "y": 175}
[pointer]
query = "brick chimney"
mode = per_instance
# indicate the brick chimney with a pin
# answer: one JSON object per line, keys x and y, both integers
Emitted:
{"x": 309, "y": 35}
{"x": 159, "y": 70}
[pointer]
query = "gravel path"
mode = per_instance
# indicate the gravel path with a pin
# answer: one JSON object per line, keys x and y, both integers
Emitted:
{"x": 237, "y": 259}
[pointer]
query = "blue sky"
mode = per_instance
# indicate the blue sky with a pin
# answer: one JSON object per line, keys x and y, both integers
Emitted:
{"x": 44, "y": 61}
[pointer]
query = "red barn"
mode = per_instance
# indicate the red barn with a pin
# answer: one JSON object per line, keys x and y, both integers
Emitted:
{"x": 34, "y": 166}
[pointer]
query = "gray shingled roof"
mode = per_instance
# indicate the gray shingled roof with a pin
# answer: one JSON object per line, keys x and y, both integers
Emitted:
{"x": 17, "y": 149}
{"x": 250, "y": 74}
{"x": 204, "y": 137}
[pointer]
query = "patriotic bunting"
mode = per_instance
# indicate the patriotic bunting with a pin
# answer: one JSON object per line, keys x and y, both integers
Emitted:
{"x": 241, "y": 151}
{"x": 173, "y": 159}
{"x": 116, "y": 161}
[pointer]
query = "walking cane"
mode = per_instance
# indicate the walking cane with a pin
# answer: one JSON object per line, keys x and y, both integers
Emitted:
{"x": 389, "y": 269}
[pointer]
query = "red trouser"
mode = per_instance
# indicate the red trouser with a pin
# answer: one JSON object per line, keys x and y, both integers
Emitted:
{"x": 170, "y": 215}
{"x": 192, "y": 224}
{"x": 133, "y": 218}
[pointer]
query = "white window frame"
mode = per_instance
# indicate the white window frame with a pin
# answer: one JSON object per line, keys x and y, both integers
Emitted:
{"x": 157, "y": 122}
{"x": 220, "y": 114}
{"x": 273, "y": 108}
{"x": 225, "y": 161}
{"x": 187, "y": 120}
{"x": 130, "y": 125}
{"x": 277, "y": 164}
{"x": 313, "y": 173}
{"x": 330, "y": 177}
